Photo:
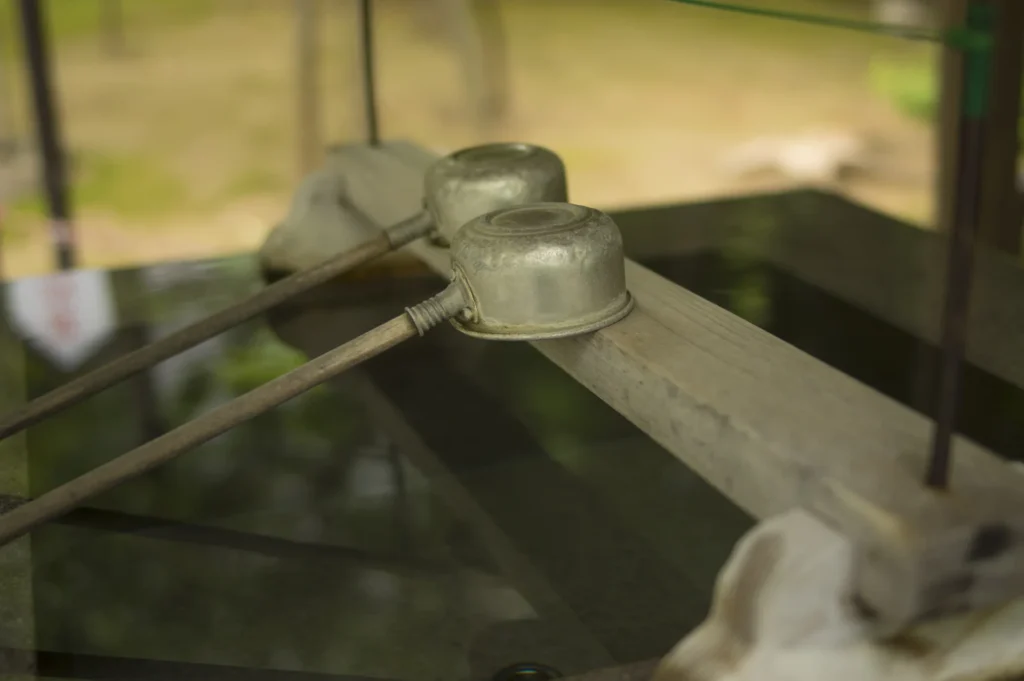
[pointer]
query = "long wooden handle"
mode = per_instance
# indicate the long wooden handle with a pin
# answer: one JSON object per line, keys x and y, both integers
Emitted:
{"x": 128, "y": 365}
{"x": 206, "y": 427}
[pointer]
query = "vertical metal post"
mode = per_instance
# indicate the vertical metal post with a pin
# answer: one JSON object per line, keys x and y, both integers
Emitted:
{"x": 48, "y": 130}
{"x": 966, "y": 182}
{"x": 951, "y": 66}
{"x": 369, "y": 75}
{"x": 1002, "y": 210}
{"x": 307, "y": 80}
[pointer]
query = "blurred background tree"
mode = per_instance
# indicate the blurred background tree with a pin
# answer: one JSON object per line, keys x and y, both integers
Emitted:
{"x": 180, "y": 114}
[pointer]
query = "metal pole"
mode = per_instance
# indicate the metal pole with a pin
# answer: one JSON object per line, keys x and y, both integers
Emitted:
{"x": 966, "y": 183}
{"x": 369, "y": 75}
{"x": 48, "y": 130}
{"x": 1002, "y": 212}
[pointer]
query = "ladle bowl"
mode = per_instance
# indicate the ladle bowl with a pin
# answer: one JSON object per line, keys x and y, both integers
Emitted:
{"x": 318, "y": 221}
{"x": 477, "y": 180}
{"x": 546, "y": 270}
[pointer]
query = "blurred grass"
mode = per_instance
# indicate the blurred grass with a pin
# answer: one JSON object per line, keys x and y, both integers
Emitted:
{"x": 129, "y": 185}
{"x": 143, "y": 185}
{"x": 911, "y": 85}
{"x": 133, "y": 186}
{"x": 70, "y": 20}
{"x": 195, "y": 123}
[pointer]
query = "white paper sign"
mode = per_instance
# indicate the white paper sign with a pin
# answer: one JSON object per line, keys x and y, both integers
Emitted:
{"x": 67, "y": 315}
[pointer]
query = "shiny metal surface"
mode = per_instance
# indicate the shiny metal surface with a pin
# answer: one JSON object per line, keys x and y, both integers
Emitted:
{"x": 548, "y": 270}
{"x": 478, "y": 180}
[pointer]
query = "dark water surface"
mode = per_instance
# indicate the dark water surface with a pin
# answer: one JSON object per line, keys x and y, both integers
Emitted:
{"x": 445, "y": 510}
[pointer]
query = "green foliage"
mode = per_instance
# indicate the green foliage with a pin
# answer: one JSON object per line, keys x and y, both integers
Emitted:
{"x": 912, "y": 87}
{"x": 134, "y": 186}
{"x": 254, "y": 180}
{"x": 259, "y": 361}
{"x": 73, "y": 19}
{"x": 130, "y": 185}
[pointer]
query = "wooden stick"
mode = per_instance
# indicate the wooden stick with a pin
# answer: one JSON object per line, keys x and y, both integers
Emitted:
{"x": 757, "y": 418}
{"x": 56, "y": 502}
{"x": 139, "y": 360}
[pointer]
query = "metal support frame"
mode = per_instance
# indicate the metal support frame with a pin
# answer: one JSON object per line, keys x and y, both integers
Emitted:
{"x": 368, "y": 71}
{"x": 1001, "y": 208}
{"x": 47, "y": 122}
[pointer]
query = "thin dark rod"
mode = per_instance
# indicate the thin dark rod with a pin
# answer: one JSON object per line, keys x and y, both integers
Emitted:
{"x": 963, "y": 238}
{"x": 138, "y": 360}
{"x": 57, "y": 502}
{"x": 37, "y": 57}
{"x": 960, "y": 269}
{"x": 369, "y": 71}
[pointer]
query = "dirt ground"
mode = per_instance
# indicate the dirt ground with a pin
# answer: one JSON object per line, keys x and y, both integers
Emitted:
{"x": 187, "y": 146}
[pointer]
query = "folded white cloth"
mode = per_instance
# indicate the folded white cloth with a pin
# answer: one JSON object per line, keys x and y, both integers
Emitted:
{"x": 319, "y": 225}
{"x": 781, "y": 612}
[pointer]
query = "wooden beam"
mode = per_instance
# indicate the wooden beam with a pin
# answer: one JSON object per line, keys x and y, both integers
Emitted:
{"x": 760, "y": 420}
{"x": 637, "y": 671}
{"x": 891, "y": 269}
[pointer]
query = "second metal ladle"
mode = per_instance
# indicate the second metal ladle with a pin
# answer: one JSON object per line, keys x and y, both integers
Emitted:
{"x": 459, "y": 187}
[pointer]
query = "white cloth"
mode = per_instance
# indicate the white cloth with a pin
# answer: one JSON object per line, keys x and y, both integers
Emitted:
{"x": 780, "y": 613}
{"x": 318, "y": 225}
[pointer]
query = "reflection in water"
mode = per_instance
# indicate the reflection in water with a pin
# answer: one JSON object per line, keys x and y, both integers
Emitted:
{"x": 355, "y": 561}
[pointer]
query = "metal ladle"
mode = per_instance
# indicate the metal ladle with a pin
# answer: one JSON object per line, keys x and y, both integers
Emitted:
{"x": 458, "y": 188}
{"x": 542, "y": 271}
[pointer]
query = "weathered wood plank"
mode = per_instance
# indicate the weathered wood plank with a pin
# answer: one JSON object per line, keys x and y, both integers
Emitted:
{"x": 891, "y": 269}
{"x": 757, "y": 418}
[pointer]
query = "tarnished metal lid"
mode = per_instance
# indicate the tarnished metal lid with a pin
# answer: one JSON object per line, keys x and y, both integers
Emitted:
{"x": 478, "y": 180}
{"x": 546, "y": 270}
